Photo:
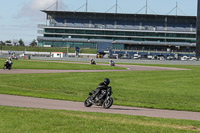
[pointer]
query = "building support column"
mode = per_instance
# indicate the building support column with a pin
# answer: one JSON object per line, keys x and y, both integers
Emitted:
{"x": 198, "y": 31}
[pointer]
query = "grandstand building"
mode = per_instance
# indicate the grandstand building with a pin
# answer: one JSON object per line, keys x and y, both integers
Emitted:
{"x": 136, "y": 32}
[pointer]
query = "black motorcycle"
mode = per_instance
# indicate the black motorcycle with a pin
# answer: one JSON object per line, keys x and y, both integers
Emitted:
{"x": 93, "y": 62}
{"x": 112, "y": 63}
{"x": 102, "y": 99}
{"x": 7, "y": 66}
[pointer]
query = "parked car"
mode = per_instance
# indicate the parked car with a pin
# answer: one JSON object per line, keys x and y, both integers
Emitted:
{"x": 184, "y": 58}
{"x": 193, "y": 59}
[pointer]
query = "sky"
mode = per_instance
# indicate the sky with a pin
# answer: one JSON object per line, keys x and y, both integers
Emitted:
{"x": 19, "y": 18}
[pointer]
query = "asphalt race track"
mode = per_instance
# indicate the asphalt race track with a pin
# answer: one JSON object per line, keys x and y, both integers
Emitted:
{"x": 129, "y": 68}
{"x": 29, "y": 102}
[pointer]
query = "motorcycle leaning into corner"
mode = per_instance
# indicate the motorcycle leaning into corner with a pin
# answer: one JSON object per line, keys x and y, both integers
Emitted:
{"x": 112, "y": 63}
{"x": 7, "y": 65}
{"x": 92, "y": 61}
{"x": 102, "y": 99}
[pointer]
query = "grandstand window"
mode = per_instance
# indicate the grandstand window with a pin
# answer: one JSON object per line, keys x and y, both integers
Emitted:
{"x": 117, "y": 46}
{"x": 140, "y": 34}
{"x": 171, "y": 35}
{"x": 120, "y": 33}
{"x": 65, "y": 36}
{"x": 80, "y": 31}
{"x": 99, "y": 37}
{"x": 130, "y": 34}
{"x": 78, "y": 37}
{"x": 159, "y": 35}
{"x": 69, "y": 31}
{"x": 48, "y": 35}
{"x": 89, "y": 32}
{"x": 48, "y": 43}
{"x": 110, "y": 33}
{"x": 68, "y": 44}
{"x": 59, "y": 31}
{"x": 58, "y": 35}
{"x": 60, "y": 44}
{"x": 108, "y": 38}
{"x": 50, "y": 30}
{"x": 99, "y": 32}
{"x": 139, "y": 39}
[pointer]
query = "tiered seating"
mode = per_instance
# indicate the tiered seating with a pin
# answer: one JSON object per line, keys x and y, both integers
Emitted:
{"x": 126, "y": 25}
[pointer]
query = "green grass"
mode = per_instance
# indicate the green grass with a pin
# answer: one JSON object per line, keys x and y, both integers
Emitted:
{"x": 60, "y": 65}
{"x": 25, "y": 120}
{"x": 43, "y": 49}
{"x": 175, "y": 90}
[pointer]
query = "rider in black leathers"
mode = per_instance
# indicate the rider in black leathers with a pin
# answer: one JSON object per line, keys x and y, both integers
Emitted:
{"x": 8, "y": 63}
{"x": 112, "y": 63}
{"x": 101, "y": 86}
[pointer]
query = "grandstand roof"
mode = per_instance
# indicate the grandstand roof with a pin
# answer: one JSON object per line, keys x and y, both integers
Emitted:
{"x": 122, "y": 16}
{"x": 49, "y": 12}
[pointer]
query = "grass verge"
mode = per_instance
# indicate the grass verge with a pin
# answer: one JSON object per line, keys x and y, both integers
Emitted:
{"x": 20, "y": 120}
{"x": 175, "y": 90}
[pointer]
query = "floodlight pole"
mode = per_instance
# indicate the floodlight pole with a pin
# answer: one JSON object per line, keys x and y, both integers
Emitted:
{"x": 198, "y": 31}
{"x": 116, "y": 6}
{"x": 146, "y": 7}
{"x": 57, "y": 5}
{"x": 86, "y": 6}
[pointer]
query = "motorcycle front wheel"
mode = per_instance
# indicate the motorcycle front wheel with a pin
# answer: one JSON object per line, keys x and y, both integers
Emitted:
{"x": 108, "y": 103}
{"x": 87, "y": 102}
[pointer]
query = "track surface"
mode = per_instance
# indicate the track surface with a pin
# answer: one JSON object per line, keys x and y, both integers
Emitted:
{"x": 129, "y": 68}
{"x": 21, "y": 101}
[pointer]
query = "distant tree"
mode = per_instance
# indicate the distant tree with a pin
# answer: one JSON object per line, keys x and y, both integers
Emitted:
{"x": 33, "y": 43}
{"x": 2, "y": 43}
{"x": 21, "y": 42}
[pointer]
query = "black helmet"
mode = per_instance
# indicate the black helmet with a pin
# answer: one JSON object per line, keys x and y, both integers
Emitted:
{"x": 107, "y": 81}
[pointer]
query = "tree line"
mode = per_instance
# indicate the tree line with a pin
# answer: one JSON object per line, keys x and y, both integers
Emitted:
{"x": 18, "y": 43}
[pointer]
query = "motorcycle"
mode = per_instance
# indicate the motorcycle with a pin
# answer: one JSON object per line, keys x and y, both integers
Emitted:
{"x": 112, "y": 63}
{"x": 7, "y": 66}
{"x": 93, "y": 62}
{"x": 102, "y": 99}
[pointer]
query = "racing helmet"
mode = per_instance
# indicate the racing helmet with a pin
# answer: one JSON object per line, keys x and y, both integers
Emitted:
{"x": 107, "y": 81}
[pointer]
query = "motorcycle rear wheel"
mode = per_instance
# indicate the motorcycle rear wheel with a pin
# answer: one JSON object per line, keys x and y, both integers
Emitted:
{"x": 87, "y": 102}
{"x": 108, "y": 103}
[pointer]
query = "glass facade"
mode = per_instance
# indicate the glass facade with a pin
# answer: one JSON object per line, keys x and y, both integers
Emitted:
{"x": 120, "y": 35}
{"x": 67, "y": 44}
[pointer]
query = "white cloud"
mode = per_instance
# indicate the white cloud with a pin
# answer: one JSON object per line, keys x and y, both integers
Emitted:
{"x": 40, "y": 4}
{"x": 32, "y": 8}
